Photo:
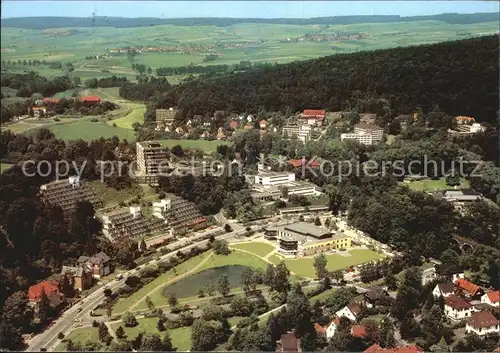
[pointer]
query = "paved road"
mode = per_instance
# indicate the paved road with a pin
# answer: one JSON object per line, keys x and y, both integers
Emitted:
{"x": 48, "y": 339}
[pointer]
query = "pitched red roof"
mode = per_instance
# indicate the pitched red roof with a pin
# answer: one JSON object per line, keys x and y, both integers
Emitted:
{"x": 355, "y": 308}
{"x": 289, "y": 342}
{"x": 494, "y": 296}
{"x": 93, "y": 99}
{"x": 35, "y": 291}
{"x": 358, "y": 331}
{"x": 482, "y": 319}
{"x": 456, "y": 302}
{"x": 233, "y": 124}
{"x": 467, "y": 286}
{"x": 404, "y": 349}
{"x": 298, "y": 163}
{"x": 262, "y": 122}
{"x": 314, "y": 114}
{"x": 51, "y": 100}
{"x": 248, "y": 127}
{"x": 319, "y": 329}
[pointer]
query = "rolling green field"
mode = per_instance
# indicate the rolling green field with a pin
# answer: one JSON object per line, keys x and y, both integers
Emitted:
{"x": 269, "y": 44}
{"x": 304, "y": 266}
{"x": 434, "y": 185}
{"x": 88, "y": 130}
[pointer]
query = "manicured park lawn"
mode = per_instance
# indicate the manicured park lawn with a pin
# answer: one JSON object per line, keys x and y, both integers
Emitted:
{"x": 88, "y": 130}
{"x": 434, "y": 185}
{"x": 259, "y": 249}
{"x": 5, "y": 166}
{"x": 159, "y": 300}
{"x": 124, "y": 304}
{"x": 304, "y": 266}
{"x": 322, "y": 296}
{"x": 181, "y": 337}
{"x": 204, "y": 145}
{"x": 81, "y": 335}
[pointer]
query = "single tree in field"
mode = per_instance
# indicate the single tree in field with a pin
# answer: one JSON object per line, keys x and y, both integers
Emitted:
{"x": 120, "y": 332}
{"x": 160, "y": 326}
{"x": 320, "y": 263}
{"x": 129, "y": 319}
{"x": 172, "y": 300}
{"x": 224, "y": 286}
{"x": 338, "y": 276}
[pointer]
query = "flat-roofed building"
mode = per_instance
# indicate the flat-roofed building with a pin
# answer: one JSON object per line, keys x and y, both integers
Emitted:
{"x": 461, "y": 195}
{"x": 129, "y": 223}
{"x": 177, "y": 212}
{"x": 265, "y": 178}
{"x": 302, "y": 132}
{"x": 366, "y": 134}
{"x": 312, "y": 116}
{"x": 305, "y": 239}
{"x": 67, "y": 193}
{"x": 151, "y": 156}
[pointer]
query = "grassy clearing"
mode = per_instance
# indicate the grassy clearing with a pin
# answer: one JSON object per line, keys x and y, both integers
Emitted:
{"x": 124, "y": 304}
{"x": 181, "y": 337}
{"x": 434, "y": 185}
{"x": 322, "y": 296}
{"x": 259, "y": 249}
{"x": 5, "y": 166}
{"x": 80, "y": 335}
{"x": 205, "y": 146}
{"x": 88, "y": 130}
{"x": 135, "y": 116}
{"x": 304, "y": 266}
{"x": 112, "y": 197}
{"x": 234, "y": 258}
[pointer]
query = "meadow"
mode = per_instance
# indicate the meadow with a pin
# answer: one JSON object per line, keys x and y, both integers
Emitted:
{"x": 269, "y": 44}
{"x": 429, "y": 185}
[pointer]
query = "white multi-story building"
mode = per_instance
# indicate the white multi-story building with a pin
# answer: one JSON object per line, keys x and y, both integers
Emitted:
{"x": 482, "y": 323}
{"x": 268, "y": 179}
{"x": 366, "y": 134}
{"x": 456, "y": 308}
{"x": 177, "y": 213}
{"x": 301, "y": 131}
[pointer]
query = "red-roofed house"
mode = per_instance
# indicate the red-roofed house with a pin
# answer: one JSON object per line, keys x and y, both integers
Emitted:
{"x": 48, "y": 101}
{"x": 351, "y": 311}
{"x": 320, "y": 330}
{"x": 491, "y": 298}
{"x": 331, "y": 328}
{"x": 297, "y": 163}
{"x": 469, "y": 289}
{"x": 358, "y": 331}
{"x": 313, "y": 116}
{"x": 91, "y": 99}
{"x": 233, "y": 124}
{"x": 482, "y": 323}
{"x": 247, "y": 127}
{"x": 51, "y": 289}
{"x": 375, "y": 348}
{"x": 288, "y": 343}
{"x": 456, "y": 308}
{"x": 263, "y": 124}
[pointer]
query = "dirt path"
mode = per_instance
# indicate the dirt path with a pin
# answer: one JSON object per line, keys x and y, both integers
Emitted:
{"x": 263, "y": 258}
{"x": 173, "y": 280}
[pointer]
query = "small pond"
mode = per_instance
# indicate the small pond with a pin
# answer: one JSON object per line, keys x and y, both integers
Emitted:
{"x": 189, "y": 286}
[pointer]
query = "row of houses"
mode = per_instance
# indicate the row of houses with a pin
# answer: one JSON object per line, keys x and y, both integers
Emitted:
{"x": 45, "y": 106}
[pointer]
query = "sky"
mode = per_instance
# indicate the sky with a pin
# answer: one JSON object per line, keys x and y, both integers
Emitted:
{"x": 239, "y": 9}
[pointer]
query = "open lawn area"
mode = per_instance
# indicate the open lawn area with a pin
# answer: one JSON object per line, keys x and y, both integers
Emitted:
{"x": 88, "y": 130}
{"x": 204, "y": 145}
{"x": 136, "y": 115}
{"x": 5, "y": 166}
{"x": 181, "y": 337}
{"x": 125, "y": 304}
{"x": 433, "y": 185}
{"x": 154, "y": 289}
{"x": 259, "y": 249}
{"x": 304, "y": 266}
{"x": 81, "y": 335}
{"x": 322, "y": 296}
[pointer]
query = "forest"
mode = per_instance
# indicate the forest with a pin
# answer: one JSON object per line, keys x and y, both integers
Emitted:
{"x": 454, "y": 75}
{"x": 30, "y": 83}
{"x": 121, "y": 22}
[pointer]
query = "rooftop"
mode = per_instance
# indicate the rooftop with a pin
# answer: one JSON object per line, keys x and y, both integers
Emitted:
{"x": 150, "y": 144}
{"x": 456, "y": 302}
{"x": 307, "y": 229}
{"x": 49, "y": 287}
{"x": 367, "y": 127}
{"x": 446, "y": 287}
{"x": 289, "y": 342}
{"x": 467, "y": 286}
{"x": 494, "y": 296}
{"x": 482, "y": 319}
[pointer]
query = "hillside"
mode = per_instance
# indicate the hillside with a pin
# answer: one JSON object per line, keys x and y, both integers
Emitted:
{"x": 456, "y": 75}
{"x": 121, "y": 22}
